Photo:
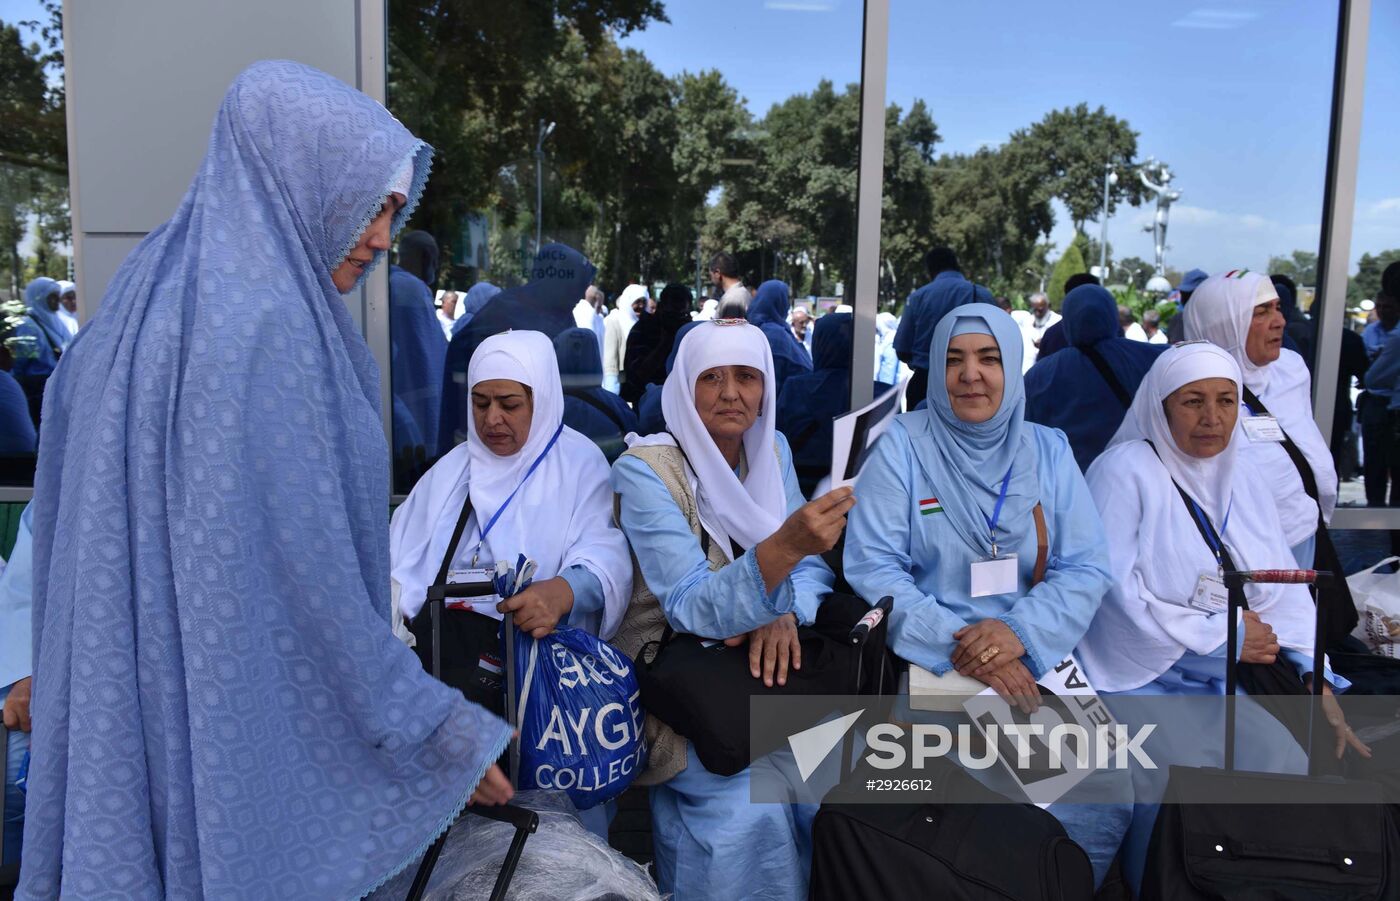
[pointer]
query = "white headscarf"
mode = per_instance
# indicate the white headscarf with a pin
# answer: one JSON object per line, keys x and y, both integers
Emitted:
{"x": 561, "y": 516}
{"x": 747, "y": 511}
{"x": 1156, "y": 552}
{"x": 1220, "y": 312}
{"x": 630, "y": 295}
{"x": 708, "y": 309}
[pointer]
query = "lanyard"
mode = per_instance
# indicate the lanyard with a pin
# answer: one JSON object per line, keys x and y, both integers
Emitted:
{"x": 996, "y": 511}
{"x": 1212, "y": 539}
{"x": 481, "y": 539}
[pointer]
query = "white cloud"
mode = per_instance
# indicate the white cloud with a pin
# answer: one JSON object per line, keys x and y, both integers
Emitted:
{"x": 1215, "y": 19}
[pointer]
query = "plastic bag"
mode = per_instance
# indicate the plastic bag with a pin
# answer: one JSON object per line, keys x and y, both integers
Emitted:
{"x": 579, "y": 715}
{"x": 1377, "y": 597}
{"x": 562, "y": 861}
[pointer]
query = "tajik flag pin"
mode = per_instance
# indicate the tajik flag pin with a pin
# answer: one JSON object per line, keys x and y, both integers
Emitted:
{"x": 930, "y": 505}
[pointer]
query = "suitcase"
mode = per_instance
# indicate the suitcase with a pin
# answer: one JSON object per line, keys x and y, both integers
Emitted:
{"x": 955, "y": 851}
{"x": 9, "y": 869}
{"x": 1345, "y": 846}
{"x": 525, "y": 822}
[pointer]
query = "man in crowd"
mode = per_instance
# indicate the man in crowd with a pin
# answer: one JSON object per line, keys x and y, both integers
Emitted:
{"x": 802, "y": 326}
{"x": 724, "y": 275}
{"x": 588, "y": 313}
{"x": 1373, "y": 409}
{"x": 447, "y": 312}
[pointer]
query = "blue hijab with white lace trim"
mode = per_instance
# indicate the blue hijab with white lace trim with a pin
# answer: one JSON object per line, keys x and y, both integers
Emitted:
{"x": 220, "y": 707}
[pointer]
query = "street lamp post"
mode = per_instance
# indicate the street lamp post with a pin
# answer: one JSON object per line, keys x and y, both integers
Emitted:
{"x": 544, "y": 132}
{"x": 1110, "y": 178}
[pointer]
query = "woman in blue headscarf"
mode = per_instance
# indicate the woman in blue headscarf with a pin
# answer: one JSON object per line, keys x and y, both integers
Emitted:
{"x": 215, "y": 677}
{"x": 17, "y": 435}
{"x": 417, "y": 347}
{"x": 477, "y": 296}
{"x": 1086, "y": 388}
{"x": 947, "y": 488}
{"x": 588, "y": 408}
{"x": 42, "y": 339}
{"x": 809, "y": 400}
{"x": 769, "y": 311}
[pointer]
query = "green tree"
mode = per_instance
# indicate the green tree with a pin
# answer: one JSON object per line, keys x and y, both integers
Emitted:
{"x": 1130, "y": 271}
{"x": 1071, "y": 263}
{"x": 1067, "y": 150}
{"x": 1366, "y": 284}
{"x": 1301, "y": 266}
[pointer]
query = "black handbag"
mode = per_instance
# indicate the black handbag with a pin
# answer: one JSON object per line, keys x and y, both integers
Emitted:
{"x": 1330, "y": 838}
{"x": 700, "y": 688}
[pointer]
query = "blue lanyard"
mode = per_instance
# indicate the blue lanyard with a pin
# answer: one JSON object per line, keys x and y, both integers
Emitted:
{"x": 481, "y": 540}
{"x": 996, "y": 511}
{"x": 1212, "y": 538}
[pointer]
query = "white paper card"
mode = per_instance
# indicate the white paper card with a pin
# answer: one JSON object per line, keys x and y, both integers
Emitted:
{"x": 485, "y": 605}
{"x": 995, "y": 575}
{"x": 1210, "y": 595}
{"x": 853, "y": 434}
{"x": 1263, "y": 428}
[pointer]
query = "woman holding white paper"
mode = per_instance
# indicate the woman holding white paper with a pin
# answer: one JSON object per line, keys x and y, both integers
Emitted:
{"x": 951, "y": 501}
{"x": 1161, "y": 629}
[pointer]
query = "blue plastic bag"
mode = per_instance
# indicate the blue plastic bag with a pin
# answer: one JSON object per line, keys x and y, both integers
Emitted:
{"x": 580, "y": 716}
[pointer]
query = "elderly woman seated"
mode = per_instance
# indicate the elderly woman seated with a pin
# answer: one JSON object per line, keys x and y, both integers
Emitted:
{"x": 952, "y": 501}
{"x": 1180, "y": 503}
{"x": 725, "y": 548}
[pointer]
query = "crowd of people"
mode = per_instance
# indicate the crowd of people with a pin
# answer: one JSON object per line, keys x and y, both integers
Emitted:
{"x": 204, "y": 620}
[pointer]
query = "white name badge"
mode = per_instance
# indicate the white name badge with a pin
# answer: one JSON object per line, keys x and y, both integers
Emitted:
{"x": 486, "y": 604}
{"x": 1211, "y": 595}
{"x": 994, "y": 575}
{"x": 1263, "y": 428}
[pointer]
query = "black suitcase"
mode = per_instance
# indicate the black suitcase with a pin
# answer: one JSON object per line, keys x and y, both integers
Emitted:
{"x": 962, "y": 851}
{"x": 9, "y": 869}
{"x": 1344, "y": 846}
{"x": 976, "y": 847}
{"x": 525, "y": 821}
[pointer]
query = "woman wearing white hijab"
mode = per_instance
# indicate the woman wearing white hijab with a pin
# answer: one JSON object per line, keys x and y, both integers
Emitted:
{"x": 1161, "y": 629}
{"x": 725, "y": 548}
{"x": 537, "y": 488}
{"x": 1238, "y": 312}
{"x": 616, "y": 328}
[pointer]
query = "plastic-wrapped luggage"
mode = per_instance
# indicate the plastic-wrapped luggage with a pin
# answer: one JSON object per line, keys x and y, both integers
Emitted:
{"x": 562, "y": 861}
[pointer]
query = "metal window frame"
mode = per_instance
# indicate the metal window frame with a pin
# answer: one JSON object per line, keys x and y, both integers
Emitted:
{"x": 1338, "y": 216}
{"x": 870, "y": 191}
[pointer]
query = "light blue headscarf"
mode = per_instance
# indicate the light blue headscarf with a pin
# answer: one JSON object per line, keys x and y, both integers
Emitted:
{"x": 477, "y": 296}
{"x": 967, "y": 461}
{"x": 47, "y": 336}
{"x": 220, "y": 707}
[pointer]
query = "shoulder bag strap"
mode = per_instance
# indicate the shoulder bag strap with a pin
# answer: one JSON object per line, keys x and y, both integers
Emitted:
{"x": 1305, "y": 470}
{"x": 598, "y": 405}
{"x": 1106, "y": 371}
{"x": 456, "y": 537}
{"x": 1042, "y": 546}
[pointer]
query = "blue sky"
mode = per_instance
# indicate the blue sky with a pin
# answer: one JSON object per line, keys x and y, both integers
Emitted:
{"x": 1234, "y": 94}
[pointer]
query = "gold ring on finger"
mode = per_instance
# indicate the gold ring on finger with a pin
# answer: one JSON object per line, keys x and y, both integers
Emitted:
{"x": 988, "y": 654}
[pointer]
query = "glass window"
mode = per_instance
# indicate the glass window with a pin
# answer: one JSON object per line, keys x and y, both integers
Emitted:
{"x": 37, "y": 305}
{"x": 591, "y": 164}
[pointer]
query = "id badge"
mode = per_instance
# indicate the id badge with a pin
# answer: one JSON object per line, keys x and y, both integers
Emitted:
{"x": 1263, "y": 428}
{"x": 994, "y": 575}
{"x": 1211, "y": 595}
{"x": 486, "y": 604}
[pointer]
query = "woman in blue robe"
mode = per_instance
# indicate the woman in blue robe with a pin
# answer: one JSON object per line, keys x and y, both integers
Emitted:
{"x": 1151, "y": 636}
{"x": 1067, "y": 390}
{"x": 477, "y": 296}
{"x": 588, "y": 409}
{"x": 769, "y": 311}
{"x": 725, "y": 547}
{"x": 221, "y": 708}
{"x": 929, "y": 511}
{"x": 650, "y": 418}
{"x": 42, "y": 340}
{"x": 17, "y": 435}
{"x": 809, "y": 400}
{"x": 558, "y": 278}
{"x": 417, "y": 347}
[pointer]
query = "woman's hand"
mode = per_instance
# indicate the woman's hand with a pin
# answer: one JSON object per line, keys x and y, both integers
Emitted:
{"x": 813, "y": 528}
{"x": 983, "y": 638}
{"x": 16, "y": 715}
{"x": 1260, "y": 642}
{"x": 1338, "y": 721}
{"x": 493, "y": 789}
{"x": 539, "y": 608}
{"x": 1015, "y": 684}
{"x": 773, "y": 648}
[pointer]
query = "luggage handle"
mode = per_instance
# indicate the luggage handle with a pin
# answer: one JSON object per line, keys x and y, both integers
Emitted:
{"x": 1235, "y": 580}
